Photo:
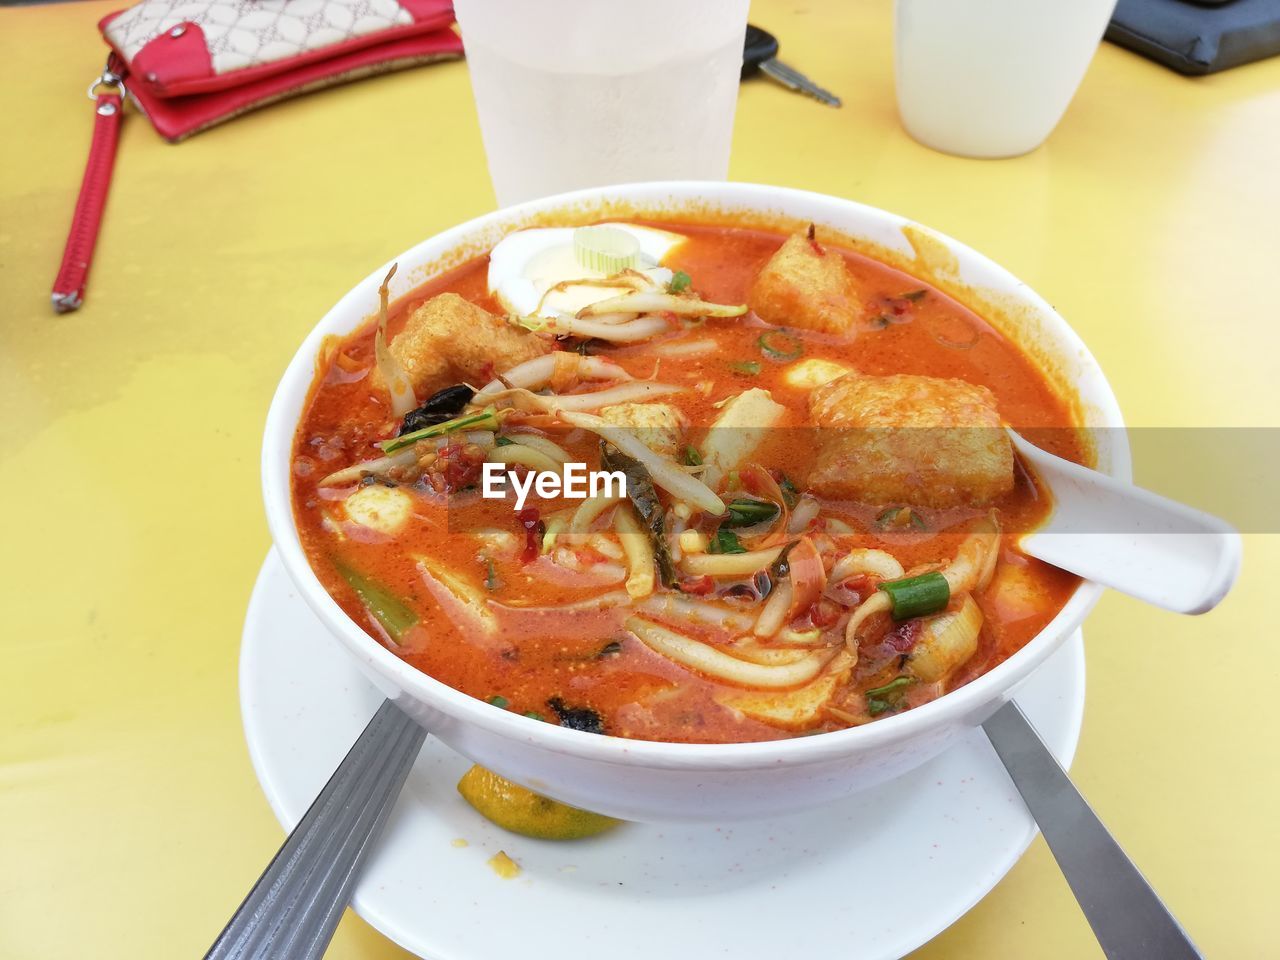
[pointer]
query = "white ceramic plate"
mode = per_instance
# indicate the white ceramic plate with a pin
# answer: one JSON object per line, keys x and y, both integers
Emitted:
{"x": 873, "y": 877}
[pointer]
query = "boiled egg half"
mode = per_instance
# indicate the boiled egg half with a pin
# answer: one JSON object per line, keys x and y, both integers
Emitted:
{"x": 533, "y": 272}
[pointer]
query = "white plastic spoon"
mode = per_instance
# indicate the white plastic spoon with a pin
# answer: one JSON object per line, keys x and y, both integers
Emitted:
{"x": 1131, "y": 539}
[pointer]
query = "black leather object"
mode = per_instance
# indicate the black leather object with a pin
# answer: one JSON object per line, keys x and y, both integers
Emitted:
{"x": 1197, "y": 39}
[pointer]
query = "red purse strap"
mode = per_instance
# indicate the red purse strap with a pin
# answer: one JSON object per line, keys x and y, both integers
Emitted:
{"x": 107, "y": 93}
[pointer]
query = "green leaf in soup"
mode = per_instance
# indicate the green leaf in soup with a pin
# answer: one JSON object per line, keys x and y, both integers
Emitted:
{"x": 725, "y": 541}
{"x": 491, "y": 579}
{"x": 789, "y": 492}
{"x": 393, "y": 613}
{"x": 644, "y": 497}
{"x": 747, "y": 513}
{"x": 895, "y": 685}
{"x": 888, "y": 697}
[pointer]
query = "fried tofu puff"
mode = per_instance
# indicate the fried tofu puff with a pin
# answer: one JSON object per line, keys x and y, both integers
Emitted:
{"x": 449, "y": 338}
{"x": 805, "y": 285}
{"x": 906, "y": 439}
{"x": 659, "y": 426}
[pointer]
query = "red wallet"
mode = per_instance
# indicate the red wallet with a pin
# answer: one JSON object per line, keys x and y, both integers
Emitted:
{"x": 188, "y": 65}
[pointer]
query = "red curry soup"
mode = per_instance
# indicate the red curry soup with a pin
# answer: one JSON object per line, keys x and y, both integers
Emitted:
{"x": 806, "y": 500}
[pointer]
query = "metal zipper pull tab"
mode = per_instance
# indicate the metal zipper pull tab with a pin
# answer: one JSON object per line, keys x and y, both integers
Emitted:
{"x": 108, "y": 93}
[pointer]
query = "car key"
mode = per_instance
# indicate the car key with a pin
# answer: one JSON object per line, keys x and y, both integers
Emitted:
{"x": 760, "y": 52}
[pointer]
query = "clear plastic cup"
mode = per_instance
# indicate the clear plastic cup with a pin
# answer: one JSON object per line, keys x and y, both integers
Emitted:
{"x": 582, "y": 93}
{"x": 992, "y": 78}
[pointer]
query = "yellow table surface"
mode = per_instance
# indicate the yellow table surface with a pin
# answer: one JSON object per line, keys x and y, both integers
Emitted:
{"x": 130, "y": 820}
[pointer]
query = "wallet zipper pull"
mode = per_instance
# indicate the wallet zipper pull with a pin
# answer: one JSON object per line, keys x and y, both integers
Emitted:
{"x": 108, "y": 93}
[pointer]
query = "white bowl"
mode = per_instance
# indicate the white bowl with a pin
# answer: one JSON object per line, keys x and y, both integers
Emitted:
{"x": 651, "y": 781}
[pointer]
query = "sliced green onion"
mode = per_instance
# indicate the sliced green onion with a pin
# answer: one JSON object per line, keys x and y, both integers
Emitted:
{"x": 485, "y": 419}
{"x": 679, "y": 282}
{"x": 777, "y": 345}
{"x": 918, "y": 596}
{"x": 390, "y": 611}
{"x": 748, "y": 368}
{"x": 605, "y": 249}
{"x": 747, "y": 513}
{"x": 692, "y": 457}
{"x": 502, "y": 441}
{"x": 499, "y": 701}
{"x": 914, "y": 295}
{"x": 725, "y": 541}
{"x": 533, "y": 715}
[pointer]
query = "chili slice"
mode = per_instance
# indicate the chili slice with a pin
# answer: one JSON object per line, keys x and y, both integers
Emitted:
{"x": 533, "y": 530}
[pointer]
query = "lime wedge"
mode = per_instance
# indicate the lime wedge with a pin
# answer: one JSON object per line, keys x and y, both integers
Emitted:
{"x": 514, "y": 808}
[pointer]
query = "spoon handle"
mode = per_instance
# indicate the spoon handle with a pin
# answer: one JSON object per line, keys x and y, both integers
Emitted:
{"x": 1127, "y": 917}
{"x": 292, "y": 910}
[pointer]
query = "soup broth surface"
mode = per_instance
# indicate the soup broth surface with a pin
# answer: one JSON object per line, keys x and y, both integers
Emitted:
{"x": 491, "y": 605}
